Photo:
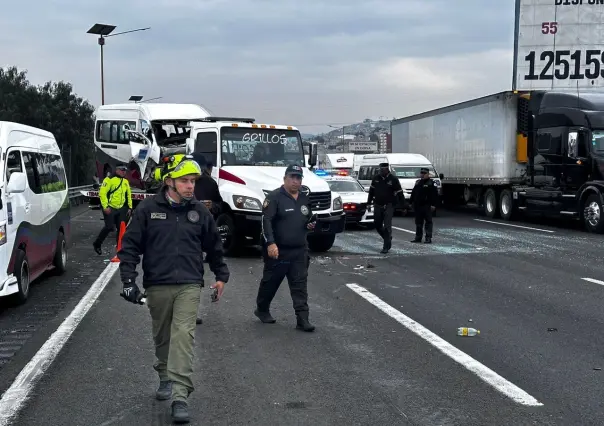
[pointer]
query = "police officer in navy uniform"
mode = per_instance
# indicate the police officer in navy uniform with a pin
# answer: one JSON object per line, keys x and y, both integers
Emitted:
{"x": 386, "y": 190}
{"x": 424, "y": 198}
{"x": 287, "y": 218}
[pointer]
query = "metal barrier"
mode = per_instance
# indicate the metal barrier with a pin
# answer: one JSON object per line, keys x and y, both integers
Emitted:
{"x": 75, "y": 196}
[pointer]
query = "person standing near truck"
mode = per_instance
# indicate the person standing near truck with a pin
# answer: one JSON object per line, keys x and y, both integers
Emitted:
{"x": 116, "y": 201}
{"x": 424, "y": 197}
{"x": 286, "y": 220}
{"x": 386, "y": 190}
{"x": 171, "y": 230}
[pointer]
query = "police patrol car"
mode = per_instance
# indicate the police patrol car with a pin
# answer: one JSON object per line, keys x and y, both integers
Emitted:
{"x": 354, "y": 199}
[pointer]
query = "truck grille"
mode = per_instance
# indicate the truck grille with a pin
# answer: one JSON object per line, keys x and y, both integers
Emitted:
{"x": 320, "y": 200}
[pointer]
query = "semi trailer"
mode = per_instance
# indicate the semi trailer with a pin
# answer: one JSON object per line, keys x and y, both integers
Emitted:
{"x": 511, "y": 152}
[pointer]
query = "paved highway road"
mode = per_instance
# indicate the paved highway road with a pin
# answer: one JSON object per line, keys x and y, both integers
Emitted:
{"x": 385, "y": 351}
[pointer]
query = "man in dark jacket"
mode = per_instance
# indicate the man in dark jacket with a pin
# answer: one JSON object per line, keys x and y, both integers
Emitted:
{"x": 424, "y": 198}
{"x": 171, "y": 231}
{"x": 287, "y": 218}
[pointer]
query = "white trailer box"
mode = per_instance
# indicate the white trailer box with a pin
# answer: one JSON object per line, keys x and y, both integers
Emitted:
{"x": 473, "y": 142}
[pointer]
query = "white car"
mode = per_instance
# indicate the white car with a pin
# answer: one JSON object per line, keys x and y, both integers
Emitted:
{"x": 354, "y": 199}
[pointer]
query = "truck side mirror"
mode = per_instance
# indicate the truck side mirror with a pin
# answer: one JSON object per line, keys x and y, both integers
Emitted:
{"x": 441, "y": 176}
{"x": 313, "y": 155}
{"x": 573, "y": 149}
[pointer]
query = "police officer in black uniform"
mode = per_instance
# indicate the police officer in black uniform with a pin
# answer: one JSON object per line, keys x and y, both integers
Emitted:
{"x": 386, "y": 190}
{"x": 424, "y": 198}
{"x": 287, "y": 218}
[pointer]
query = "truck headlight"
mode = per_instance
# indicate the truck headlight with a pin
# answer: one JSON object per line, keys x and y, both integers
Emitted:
{"x": 337, "y": 203}
{"x": 246, "y": 203}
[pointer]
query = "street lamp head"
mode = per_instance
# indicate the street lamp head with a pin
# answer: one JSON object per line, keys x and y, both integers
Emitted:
{"x": 102, "y": 30}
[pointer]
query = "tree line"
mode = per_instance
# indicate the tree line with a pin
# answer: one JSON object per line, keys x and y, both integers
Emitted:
{"x": 55, "y": 108}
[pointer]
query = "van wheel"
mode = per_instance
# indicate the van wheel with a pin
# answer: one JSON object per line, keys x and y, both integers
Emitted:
{"x": 226, "y": 228}
{"x": 21, "y": 272}
{"x": 60, "y": 259}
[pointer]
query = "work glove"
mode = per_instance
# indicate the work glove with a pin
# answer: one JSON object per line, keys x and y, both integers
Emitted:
{"x": 131, "y": 293}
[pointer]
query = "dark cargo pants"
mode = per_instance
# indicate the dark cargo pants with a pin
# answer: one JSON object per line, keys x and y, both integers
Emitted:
{"x": 173, "y": 311}
{"x": 293, "y": 264}
{"x": 423, "y": 219}
{"x": 382, "y": 219}
{"x": 112, "y": 220}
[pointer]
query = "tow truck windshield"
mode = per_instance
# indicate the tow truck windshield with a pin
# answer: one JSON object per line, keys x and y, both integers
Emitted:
{"x": 261, "y": 147}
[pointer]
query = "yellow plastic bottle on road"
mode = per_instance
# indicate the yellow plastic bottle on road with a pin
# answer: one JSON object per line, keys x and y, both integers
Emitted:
{"x": 467, "y": 331}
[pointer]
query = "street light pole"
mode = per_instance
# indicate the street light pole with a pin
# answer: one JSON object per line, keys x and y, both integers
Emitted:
{"x": 104, "y": 31}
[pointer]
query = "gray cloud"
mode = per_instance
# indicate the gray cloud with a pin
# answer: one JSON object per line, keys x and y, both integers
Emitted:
{"x": 301, "y": 63}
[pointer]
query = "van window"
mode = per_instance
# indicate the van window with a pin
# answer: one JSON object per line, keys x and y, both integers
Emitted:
{"x": 410, "y": 172}
{"x": 13, "y": 163}
{"x": 112, "y": 131}
{"x": 45, "y": 172}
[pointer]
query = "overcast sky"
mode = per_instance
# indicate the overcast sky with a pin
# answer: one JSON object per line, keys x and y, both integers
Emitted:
{"x": 303, "y": 62}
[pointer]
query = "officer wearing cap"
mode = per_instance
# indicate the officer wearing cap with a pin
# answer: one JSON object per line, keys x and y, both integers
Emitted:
{"x": 287, "y": 218}
{"x": 116, "y": 201}
{"x": 171, "y": 230}
{"x": 386, "y": 190}
{"x": 424, "y": 198}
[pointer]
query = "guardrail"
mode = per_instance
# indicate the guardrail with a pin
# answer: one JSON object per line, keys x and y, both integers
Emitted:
{"x": 75, "y": 195}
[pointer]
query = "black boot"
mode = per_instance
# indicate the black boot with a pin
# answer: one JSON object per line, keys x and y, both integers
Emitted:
{"x": 97, "y": 248}
{"x": 417, "y": 240}
{"x": 428, "y": 240}
{"x": 164, "y": 391}
{"x": 302, "y": 322}
{"x": 180, "y": 412}
{"x": 265, "y": 317}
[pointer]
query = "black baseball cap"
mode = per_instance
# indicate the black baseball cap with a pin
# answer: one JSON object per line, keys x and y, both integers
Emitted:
{"x": 294, "y": 169}
{"x": 121, "y": 166}
{"x": 424, "y": 170}
{"x": 383, "y": 165}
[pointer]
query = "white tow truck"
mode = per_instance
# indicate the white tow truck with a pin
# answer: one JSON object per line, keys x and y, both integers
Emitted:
{"x": 249, "y": 161}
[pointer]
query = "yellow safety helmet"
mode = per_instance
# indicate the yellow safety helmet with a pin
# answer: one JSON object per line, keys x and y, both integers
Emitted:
{"x": 176, "y": 166}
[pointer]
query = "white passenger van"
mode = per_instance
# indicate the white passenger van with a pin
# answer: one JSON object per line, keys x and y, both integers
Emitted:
{"x": 405, "y": 167}
{"x": 34, "y": 208}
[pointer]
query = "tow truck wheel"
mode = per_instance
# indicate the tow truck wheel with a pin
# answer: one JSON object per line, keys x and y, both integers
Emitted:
{"x": 592, "y": 214}
{"x": 321, "y": 243}
{"x": 227, "y": 225}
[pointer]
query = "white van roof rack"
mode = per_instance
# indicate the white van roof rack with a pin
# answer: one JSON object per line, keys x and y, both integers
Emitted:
{"x": 235, "y": 119}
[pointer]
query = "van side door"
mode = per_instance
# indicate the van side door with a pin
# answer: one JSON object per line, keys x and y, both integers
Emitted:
{"x": 18, "y": 209}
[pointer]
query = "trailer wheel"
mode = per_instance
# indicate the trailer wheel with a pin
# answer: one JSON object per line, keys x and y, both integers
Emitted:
{"x": 506, "y": 204}
{"x": 592, "y": 214}
{"x": 490, "y": 203}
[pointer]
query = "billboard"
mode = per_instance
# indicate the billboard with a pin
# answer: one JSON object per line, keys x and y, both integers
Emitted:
{"x": 363, "y": 146}
{"x": 559, "y": 44}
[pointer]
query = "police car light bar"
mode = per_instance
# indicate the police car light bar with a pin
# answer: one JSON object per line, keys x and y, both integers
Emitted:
{"x": 236, "y": 119}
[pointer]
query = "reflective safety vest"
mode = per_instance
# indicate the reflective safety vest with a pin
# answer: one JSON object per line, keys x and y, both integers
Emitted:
{"x": 114, "y": 193}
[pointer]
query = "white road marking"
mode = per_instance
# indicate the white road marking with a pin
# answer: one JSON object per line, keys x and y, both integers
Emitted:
{"x": 15, "y": 397}
{"x": 591, "y": 280}
{"x": 404, "y": 230}
{"x": 515, "y": 226}
{"x": 483, "y": 372}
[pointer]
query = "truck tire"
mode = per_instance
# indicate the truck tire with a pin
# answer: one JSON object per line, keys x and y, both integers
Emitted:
{"x": 230, "y": 245}
{"x": 491, "y": 203}
{"x": 507, "y": 206}
{"x": 321, "y": 243}
{"x": 592, "y": 214}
